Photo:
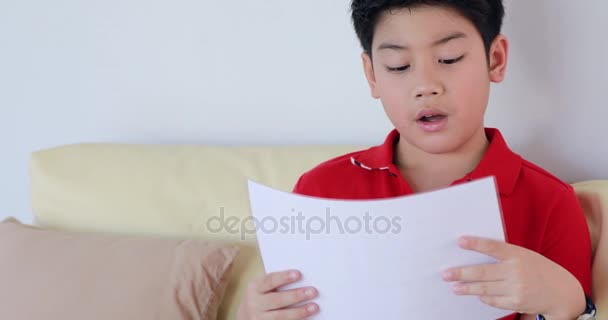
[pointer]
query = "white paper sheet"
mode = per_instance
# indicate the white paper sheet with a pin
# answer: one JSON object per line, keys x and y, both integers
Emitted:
{"x": 379, "y": 259}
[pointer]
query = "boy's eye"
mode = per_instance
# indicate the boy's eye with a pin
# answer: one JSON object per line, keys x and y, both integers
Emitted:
{"x": 398, "y": 69}
{"x": 450, "y": 61}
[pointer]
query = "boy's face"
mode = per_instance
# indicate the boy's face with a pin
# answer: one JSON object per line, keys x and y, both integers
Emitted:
{"x": 431, "y": 61}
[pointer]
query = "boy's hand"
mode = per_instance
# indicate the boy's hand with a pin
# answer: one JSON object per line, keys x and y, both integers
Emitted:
{"x": 262, "y": 301}
{"x": 522, "y": 281}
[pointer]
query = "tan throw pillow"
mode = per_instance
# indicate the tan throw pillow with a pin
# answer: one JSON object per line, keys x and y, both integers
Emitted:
{"x": 55, "y": 275}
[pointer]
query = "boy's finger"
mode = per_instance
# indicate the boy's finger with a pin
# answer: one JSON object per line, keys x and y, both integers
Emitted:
{"x": 297, "y": 313}
{"x": 490, "y": 247}
{"x": 489, "y": 288}
{"x": 482, "y": 272}
{"x": 283, "y": 299}
{"x": 275, "y": 280}
{"x": 503, "y": 302}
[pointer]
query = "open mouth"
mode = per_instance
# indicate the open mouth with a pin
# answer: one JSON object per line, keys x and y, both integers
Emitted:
{"x": 432, "y": 118}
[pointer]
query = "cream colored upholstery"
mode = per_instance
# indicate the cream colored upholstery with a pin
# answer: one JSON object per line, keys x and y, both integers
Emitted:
{"x": 167, "y": 190}
{"x": 176, "y": 190}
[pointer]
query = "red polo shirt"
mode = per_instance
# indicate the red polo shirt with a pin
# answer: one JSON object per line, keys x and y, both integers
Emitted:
{"x": 540, "y": 212}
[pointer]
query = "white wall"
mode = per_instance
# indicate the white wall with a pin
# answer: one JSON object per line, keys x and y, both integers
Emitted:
{"x": 269, "y": 71}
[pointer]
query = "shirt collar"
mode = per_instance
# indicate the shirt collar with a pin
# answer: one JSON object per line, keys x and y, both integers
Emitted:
{"x": 498, "y": 161}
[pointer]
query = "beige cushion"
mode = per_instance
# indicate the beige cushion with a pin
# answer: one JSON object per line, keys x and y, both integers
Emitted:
{"x": 54, "y": 275}
{"x": 166, "y": 189}
{"x": 593, "y": 196}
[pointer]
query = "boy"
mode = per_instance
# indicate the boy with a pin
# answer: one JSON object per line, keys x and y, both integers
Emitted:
{"x": 431, "y": 63}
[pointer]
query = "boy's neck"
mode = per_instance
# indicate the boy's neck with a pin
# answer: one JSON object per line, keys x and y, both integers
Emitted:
{"x": 424, "y": 171}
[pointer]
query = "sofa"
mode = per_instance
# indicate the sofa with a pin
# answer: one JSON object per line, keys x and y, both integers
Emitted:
{"x": 180, "y": 191}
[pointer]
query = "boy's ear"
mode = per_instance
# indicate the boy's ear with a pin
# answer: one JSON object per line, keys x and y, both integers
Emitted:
{"x": 499, "y": 53}
{"x": 368, "y": 68}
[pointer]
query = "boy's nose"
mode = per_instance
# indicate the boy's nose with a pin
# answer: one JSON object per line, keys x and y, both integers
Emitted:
{"x": 428, "y": 90}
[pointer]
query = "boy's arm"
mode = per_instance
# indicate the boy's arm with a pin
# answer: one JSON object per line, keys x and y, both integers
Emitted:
{"x": 566, "y": 238}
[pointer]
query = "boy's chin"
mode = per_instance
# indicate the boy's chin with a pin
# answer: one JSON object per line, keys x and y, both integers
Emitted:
{"x": 439, "y": 149}
{"x": 437, "y": 144}
{"x": 447, "y": 141}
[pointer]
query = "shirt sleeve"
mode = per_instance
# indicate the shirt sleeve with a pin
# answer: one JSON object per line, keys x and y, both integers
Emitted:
{"x": 306, "y": 187}
{"x": 566, "y": 238}
{"x": 297, "y": 188}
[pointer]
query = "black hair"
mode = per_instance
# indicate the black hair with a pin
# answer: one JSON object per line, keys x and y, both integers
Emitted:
{"x": 486, "y": 16}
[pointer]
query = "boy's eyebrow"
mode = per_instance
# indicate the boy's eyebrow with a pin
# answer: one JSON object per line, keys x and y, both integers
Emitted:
{"x": 392, "y": 46}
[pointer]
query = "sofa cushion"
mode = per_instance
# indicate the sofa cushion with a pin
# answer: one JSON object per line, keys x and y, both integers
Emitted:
{"x": 176, "y": 190}
{"x": 49, "y": 274}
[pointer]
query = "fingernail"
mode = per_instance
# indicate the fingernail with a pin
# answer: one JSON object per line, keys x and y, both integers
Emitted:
{"x": 309, "y": 292}
{"x": 311, "y": 308}
{"x": 293, "y": 275}
{"x": 458, "y": 288}
{"x": 463, "y": 242}
{"x": 447, "y": 275}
